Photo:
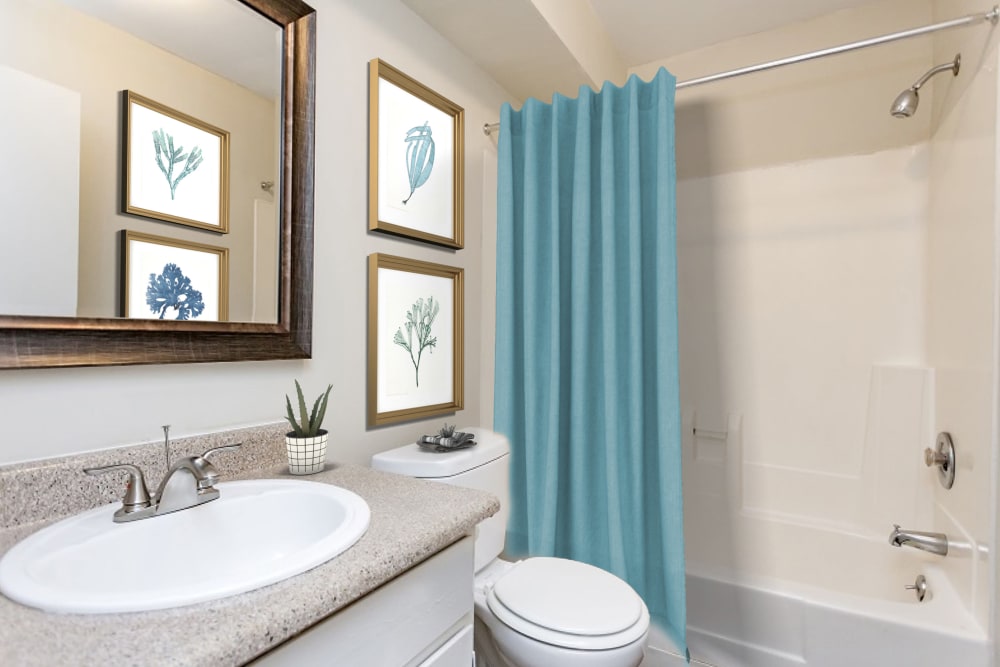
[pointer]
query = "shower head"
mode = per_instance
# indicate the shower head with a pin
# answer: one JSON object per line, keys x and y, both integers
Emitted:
{"x": 906, "y": 102}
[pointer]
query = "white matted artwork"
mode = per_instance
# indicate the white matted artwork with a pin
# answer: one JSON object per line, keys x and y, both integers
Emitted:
{"x": 170, "y": 279}
{"x": 415, "y": 339}
{"x": 416, "y": 159}
{"x": 176, "y": 167}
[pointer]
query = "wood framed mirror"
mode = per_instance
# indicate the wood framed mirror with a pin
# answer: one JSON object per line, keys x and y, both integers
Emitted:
{"x": 34, "y": 341}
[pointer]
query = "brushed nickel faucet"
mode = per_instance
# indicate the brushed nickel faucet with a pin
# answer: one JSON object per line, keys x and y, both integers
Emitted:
{"x": 935, "y": 543}
{"x": 189, "y": 481}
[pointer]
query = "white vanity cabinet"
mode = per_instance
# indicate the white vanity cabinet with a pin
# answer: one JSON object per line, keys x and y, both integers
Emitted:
{"x": 422, "y": 618}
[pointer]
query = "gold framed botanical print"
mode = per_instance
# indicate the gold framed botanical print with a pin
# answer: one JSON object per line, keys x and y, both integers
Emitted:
{"x": 175, "y": 167}
{"x": 415, "y": 339}
{"x": 171, "y": 279}
{"x": 416, "y": 159}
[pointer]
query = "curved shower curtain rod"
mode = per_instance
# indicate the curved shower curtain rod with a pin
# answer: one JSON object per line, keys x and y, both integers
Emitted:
{"x": 990, "y": 16}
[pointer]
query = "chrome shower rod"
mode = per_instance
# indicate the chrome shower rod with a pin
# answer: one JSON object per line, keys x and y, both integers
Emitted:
{"x": 990, "y": 16}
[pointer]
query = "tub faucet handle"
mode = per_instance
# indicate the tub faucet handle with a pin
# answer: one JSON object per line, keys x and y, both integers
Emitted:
{"x": 943, "y": 458}
{"x": 920, "y": 586}
{"x": 933, "y": 458}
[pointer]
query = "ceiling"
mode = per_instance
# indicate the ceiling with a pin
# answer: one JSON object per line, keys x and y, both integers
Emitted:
{"x": 536, "y": 47}
{"x": 226, "y": 38}
{"x": 648, "y": 30}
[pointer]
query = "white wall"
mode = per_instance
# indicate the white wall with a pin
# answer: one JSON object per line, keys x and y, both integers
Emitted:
{"x": 105, "y": 407}
{"x": 41, "y": 145}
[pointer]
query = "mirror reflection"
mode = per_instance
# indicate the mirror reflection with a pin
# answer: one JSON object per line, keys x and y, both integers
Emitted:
{"x": 63, "y": 67}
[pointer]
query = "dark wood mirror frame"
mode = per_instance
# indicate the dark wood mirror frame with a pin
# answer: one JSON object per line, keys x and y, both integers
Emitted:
{"x": 39, "y": 342}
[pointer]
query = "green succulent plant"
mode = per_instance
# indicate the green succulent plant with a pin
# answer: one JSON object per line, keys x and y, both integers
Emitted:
{"x": 309, "y": 423}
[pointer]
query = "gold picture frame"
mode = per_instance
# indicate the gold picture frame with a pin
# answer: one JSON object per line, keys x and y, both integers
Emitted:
{"x": 416, "y": 159}
{"x": 171, "y": 279}
{"x": 415, "y": 335}
{"x": 175, "y": 167}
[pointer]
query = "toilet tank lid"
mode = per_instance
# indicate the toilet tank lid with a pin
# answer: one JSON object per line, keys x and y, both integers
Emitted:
{"x": 416, "y": 461}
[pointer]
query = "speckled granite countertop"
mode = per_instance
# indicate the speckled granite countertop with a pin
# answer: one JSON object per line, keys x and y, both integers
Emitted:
{"x": 410, "y": 521}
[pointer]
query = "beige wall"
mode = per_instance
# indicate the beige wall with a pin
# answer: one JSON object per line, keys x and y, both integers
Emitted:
{"x": 105, "y": 407}
{"x": 99, "y": 61}
{"x": 961, "y": 290}
{"x": 822, "y": 108}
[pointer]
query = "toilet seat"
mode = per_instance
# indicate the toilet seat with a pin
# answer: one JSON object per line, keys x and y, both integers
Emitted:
{"x": 569, "y": 604}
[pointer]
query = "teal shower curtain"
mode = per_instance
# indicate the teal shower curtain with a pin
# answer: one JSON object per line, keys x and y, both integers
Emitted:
{"x": 586, "y": 354}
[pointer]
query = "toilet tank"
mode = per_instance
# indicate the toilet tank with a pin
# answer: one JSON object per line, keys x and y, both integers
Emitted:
{"x": 484, "y": 467}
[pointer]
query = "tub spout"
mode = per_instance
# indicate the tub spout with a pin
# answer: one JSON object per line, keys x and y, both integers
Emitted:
{"x": 936, "y": 543}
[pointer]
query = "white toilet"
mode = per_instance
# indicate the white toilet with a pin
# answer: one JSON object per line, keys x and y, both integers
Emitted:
{"x": 538, "y": 612}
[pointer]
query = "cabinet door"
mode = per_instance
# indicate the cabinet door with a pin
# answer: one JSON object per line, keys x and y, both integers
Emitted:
{"x": 395, "y": 625}
{"x": 456, "y": 652}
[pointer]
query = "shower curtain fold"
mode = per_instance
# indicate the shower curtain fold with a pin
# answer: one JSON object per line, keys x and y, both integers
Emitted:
{"x": 586, "y": 356}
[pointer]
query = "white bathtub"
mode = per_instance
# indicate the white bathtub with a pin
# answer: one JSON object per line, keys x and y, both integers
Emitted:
{"x": 758, "y": 622}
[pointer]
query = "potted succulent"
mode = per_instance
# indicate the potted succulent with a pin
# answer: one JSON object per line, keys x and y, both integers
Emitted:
{"x": 306, "y": 442}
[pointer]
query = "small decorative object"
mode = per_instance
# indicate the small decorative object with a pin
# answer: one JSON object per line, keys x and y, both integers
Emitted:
{"x": 170, "y": 279}
{"x": 176, "y": 167}
{"x": 416, "y": 159}
{"x": 415, "y": 339}
{"x": 306, "y": 442}
{"x": 447, "y": 440}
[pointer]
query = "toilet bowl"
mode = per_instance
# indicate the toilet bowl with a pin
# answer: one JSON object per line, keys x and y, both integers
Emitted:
{"x": 549, "y": 612}
{"x": 537, "y": 612}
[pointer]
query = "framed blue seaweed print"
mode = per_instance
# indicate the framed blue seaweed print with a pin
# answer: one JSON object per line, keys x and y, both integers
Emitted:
{"x": 171, "y": 279}
{"x": 416, "y": 159}
{"x": 175, "y": 167}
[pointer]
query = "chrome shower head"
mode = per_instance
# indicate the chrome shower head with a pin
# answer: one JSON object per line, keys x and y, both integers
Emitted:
{"x": 905, "y": 104}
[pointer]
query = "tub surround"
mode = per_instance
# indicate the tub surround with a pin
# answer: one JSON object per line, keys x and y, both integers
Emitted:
{"x": 761, "y": 622}
{"x": 411, "y": 521}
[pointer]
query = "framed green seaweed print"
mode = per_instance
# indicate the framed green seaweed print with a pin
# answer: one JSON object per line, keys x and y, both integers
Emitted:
{"x": 416, "y": 159}
{"x": 175, "y": 167}
{"x": 415, "y": 339}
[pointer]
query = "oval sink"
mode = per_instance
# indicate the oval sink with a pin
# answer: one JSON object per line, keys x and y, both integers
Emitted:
{"x": 257, "y": 532}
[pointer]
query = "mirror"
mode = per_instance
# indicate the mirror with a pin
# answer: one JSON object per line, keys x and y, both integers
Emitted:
{"x": 281, "y": 327}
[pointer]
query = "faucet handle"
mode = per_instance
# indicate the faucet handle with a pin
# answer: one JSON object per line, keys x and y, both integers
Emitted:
{"x": 136, "y": 495}
{"x": 920, "y": 586}
{"x": 211, "y": 476}
{"x": 934, "y": 458}
{"x": 216, "y": 450}
{"x": 943, "y": 457}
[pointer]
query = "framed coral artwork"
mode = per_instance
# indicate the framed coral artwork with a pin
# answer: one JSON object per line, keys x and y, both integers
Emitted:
{"x": 175, "y": 167}
{"x": 170, "y": 279}
{"x": 416, "y": 159}
{"x": 415, "y": 339}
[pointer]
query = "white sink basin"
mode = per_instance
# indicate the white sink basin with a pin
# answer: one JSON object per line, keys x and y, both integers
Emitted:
{"x": 258, "y": 532}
